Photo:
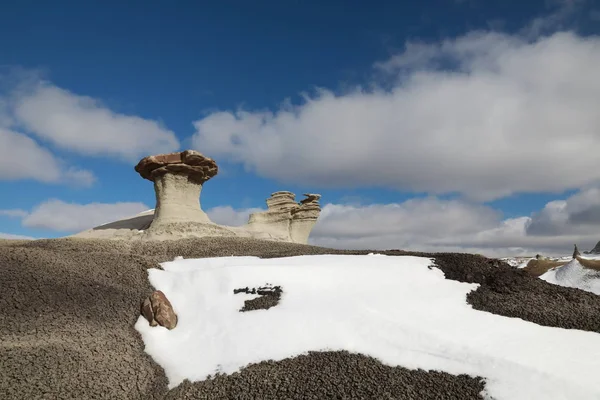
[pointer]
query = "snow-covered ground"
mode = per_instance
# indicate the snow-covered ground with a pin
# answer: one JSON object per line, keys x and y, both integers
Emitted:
{"x": 519, "y": 262}
{"x": 574, "y": 275}
{"x": 396, "y": 309}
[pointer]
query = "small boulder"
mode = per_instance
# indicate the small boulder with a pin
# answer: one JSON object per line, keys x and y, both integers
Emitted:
{"x": 157, "y": 309}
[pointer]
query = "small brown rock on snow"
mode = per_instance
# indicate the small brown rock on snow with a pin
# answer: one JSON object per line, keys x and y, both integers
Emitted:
{"x": 157, "y": 309}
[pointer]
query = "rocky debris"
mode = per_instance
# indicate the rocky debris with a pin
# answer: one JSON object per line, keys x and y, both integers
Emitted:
{"x": 91, "y": 350}
{"x": 157, "y": 309}
{"x": 332, "y": 375}
{"x": 269, "y": 296}
{"x": 195, "y": 165}
{"x": 576, "y": 252}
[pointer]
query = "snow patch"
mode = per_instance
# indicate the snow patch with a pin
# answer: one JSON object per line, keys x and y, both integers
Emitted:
{"x": 574, "y": 275}
{"x": 396, "y": 309}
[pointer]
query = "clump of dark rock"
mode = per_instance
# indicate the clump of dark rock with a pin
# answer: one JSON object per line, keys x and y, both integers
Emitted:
{"x": 268, "y": 297}
{"x": 331, "y": 375}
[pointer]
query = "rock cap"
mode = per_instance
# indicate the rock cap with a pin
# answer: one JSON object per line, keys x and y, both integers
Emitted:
{"x": 197, "y": 166}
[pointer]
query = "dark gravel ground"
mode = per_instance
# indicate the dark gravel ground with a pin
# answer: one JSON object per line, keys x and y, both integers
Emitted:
{"x": 67, "y": 310}
{"x": 331, "y": 375}
{"x": 268, "y": 297}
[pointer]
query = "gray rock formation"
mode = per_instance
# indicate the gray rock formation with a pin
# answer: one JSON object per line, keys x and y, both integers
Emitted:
{"x": 576, "y": 252}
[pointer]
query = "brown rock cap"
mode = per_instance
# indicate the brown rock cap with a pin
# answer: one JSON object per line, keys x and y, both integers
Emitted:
{"x": 311, "y": 198}
{"x": 189, "y": 162}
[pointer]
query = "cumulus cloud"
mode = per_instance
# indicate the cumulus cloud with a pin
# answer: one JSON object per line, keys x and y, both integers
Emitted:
{"x": 15, "y": 213}
{"x": 578, "y": 214}
{"x": 419, "y": 224}
{"x": 565, "y": 13}
{"x": 22, "y": 158}
{"x": 437, "y": 225}
{"x": 227, "y": 215}
{"x": 57, "y": 215}
{"x": 83, "y": 125}
{"x": 485, "y": 115}
{"x": 16, "y": 237}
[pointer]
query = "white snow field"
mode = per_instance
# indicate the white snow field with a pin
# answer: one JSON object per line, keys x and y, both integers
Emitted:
{"x": 518, "y": 262}
{"x": 574, "y": 275}
{"x": 396, "y": 309}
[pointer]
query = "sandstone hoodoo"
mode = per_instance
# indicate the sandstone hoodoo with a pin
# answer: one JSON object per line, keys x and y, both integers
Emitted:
{"x": 286, "y": 218}
{"x": 178, "y": 181}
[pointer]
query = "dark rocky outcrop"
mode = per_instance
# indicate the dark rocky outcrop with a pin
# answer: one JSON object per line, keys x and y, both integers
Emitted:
{"x": 595, "y": 250}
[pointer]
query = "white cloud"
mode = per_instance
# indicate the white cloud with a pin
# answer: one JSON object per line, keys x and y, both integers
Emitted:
{"x": 440, "y": 225}
{"x": 512, "y": 116}
{"x": 16, "y": 237}
{"x": 428, "y": 224}
{"x": 436, "y": 225}
{"x": 83, "y": 125}
{"x": 578, "y": 214}
{"x": 227, "y": 215}
{"x": 57, "y": 215}
{"x": 419, "y": 224}
{"x": 15, "y": 213}
{"x": 564, "y": 15}
{"x": 22, "y": 158}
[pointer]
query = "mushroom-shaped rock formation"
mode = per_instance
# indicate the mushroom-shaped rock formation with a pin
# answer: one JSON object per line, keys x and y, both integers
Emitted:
{"x": 178, "y": 179}
{"x": 287, "y": 219}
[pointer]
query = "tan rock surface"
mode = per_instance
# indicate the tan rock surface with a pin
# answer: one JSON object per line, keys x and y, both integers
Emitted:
{"x": 287, "y": 219}
{"x": 178, "y": 181}
{"x": 157, "y": 309}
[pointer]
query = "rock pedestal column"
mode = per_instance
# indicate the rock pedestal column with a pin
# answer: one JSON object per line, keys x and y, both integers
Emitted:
{"x": 178, "y": 179}
{"x": 286, "y": 219}
{"x": 276, "y": 220}
{"x": 304, "y": 218}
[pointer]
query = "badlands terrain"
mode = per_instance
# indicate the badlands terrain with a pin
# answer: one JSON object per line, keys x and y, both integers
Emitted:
{"x": 390, "y": 325}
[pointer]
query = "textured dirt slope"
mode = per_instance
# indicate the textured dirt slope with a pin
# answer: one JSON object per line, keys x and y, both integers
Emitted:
{"x": 67, "y": 310}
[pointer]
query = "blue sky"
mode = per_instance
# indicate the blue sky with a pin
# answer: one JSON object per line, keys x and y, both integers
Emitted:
{"x": 340, "y": 89}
